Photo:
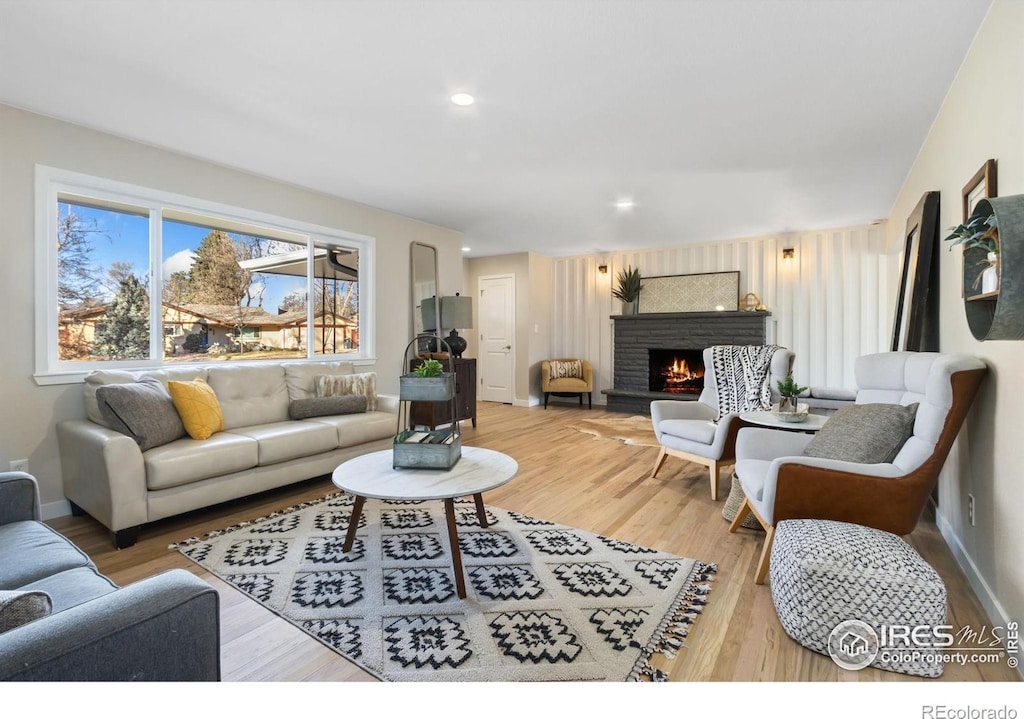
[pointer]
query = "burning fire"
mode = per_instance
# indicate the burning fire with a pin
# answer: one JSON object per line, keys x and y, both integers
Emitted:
{"x": 678, "y": 375}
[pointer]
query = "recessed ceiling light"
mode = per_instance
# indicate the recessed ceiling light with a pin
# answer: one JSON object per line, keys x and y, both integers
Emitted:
{"x": 466, "y": 249}
{"x": 624, "y": 203}
{"x": 463, "y": 99}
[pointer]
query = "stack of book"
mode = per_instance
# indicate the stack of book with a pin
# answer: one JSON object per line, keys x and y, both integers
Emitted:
{"x": 422, "y": 437}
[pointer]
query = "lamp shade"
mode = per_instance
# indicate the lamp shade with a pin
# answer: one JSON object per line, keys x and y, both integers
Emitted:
{"x": 456, "y": 312}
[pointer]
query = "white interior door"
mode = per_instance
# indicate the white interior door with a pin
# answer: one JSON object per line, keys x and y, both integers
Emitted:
{"x": 496, "y": 364}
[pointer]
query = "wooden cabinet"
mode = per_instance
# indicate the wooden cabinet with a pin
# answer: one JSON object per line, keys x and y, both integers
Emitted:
{"x": 433, "y": 414}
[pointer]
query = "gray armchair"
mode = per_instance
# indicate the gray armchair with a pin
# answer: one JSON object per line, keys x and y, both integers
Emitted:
{"x": 163, "y": 628}
{"x": 687, "y": 430}
{"x": 781, "y": 483}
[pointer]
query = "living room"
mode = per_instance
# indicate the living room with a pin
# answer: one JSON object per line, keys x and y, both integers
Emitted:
{"x": 832, "y": 301}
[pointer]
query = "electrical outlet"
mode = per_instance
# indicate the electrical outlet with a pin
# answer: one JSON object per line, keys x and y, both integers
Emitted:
{"x": 19, "y": 465}
{"x": 970, "y": 509}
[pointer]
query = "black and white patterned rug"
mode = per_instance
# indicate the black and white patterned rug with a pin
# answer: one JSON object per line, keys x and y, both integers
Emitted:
{"x": 545, "y": 602}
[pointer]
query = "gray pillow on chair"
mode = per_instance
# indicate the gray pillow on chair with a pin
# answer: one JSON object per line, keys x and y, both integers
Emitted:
{"x": 142, "y": 410}
{"x": 864, "y": 433}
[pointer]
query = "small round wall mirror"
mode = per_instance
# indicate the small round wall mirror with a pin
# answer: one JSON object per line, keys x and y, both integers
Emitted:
{"x": 750, "y": 302}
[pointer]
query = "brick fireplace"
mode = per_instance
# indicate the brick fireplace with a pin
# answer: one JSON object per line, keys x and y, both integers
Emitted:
{"x": 659, "y": 356}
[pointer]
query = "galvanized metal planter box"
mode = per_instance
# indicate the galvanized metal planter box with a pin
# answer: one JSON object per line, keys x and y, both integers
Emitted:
{"x": 413, "y": 388}
{"x": 421, "y": 455}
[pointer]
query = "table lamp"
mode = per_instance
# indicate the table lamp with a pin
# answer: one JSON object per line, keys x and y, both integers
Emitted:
{"x": 456, "y": 313}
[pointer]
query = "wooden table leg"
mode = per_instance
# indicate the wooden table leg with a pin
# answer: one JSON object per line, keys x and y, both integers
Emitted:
{"x": 481, "y": 513}
{"x": 353, "y": 522}
{"x": 453, "y": 539}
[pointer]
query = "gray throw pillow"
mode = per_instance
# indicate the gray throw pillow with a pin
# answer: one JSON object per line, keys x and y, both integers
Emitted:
{"x": 142, "y": 410}
{"x": 22, "y": 607}
{"x": 322, "y": 406}
{"x": 864, "y": 433}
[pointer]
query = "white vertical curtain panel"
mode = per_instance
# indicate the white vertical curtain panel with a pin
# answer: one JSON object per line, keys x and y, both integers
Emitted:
{"x": 831, "y": 303}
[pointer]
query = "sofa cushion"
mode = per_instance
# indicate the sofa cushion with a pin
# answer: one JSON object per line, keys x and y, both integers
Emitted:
{"x": 73, "y": 587}
{"x": 864, "y": 433}
{"x": 353, "y": 429}
{"x": 31, "y": 550}
{"x": 99, "y": 378}
{"x": 567, "y": 384}
{"x": 21, "y": 607}
{"x": 301, "y": 376}
{"x": 143, "y": 410}
{"x": 281, "y": 441}
{"x": 695, "y": 430}
{"x": 364, "y": 383}
{"x": 324, "y": 406}
{"x": 251, "y": 394}
{"x": 189, "y": 460}
{"x": 198, "y": 406}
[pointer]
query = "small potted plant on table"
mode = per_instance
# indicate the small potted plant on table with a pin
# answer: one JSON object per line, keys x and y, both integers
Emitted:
{"x": 789, "y": 406}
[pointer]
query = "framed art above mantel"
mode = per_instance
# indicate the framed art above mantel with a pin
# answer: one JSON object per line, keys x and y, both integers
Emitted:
{"x": 701, "y": 292}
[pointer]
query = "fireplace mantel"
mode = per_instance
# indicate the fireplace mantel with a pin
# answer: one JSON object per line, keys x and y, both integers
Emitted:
{"x": 636, "y": 335}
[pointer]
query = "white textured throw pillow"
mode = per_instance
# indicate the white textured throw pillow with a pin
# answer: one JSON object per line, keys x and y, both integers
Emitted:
{"x": 17, "y": 608}
{"x": 562, "y": 369}
{"x": 364, "y": 383}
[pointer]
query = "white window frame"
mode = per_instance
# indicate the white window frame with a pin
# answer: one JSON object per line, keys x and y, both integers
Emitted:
{"x": 51, "y": 182}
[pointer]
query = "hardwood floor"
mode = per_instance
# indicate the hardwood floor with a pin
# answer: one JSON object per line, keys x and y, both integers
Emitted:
{"x": 566, "y": 476}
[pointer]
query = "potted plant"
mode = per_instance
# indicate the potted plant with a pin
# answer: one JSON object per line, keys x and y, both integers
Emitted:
{"x": 628, "y": 289}
{"x": 982, "y": 233}
{"x": 428, "y": 382}
{"x": 789, "y": 392}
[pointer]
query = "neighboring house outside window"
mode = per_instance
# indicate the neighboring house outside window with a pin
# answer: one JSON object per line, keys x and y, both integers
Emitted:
{"x": 228, "y": 281}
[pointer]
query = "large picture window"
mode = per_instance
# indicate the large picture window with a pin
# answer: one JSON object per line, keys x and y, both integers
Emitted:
{"x": 130, "y": 277}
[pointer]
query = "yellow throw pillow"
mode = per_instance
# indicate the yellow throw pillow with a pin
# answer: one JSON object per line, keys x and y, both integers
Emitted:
{"x": 198, "y": 407}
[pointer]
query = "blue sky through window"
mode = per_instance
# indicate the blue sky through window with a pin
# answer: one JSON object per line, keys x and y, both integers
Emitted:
{"x": 124, "y": 237}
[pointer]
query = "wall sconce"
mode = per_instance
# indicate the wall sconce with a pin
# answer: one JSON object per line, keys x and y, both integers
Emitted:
{"x": 787, "y": 254}
{"x": 603, "y": 269}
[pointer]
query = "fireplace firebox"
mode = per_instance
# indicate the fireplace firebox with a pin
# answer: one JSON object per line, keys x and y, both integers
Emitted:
{"x": 677, "y": 371}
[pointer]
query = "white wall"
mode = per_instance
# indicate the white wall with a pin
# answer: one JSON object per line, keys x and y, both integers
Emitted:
{"x": 30, "y": 411}
{"x": 833, "y": 302}
{"x": 981, "y": 118}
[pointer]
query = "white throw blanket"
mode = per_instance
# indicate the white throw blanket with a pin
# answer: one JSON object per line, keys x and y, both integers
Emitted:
{"x": 741, "y": 377}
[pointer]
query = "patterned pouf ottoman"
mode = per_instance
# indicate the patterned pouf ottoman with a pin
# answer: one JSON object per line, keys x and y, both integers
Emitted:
{"x": 860, "y": 595}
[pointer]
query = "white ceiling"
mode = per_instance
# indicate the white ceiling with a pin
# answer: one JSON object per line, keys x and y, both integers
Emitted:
{"x": 720, "y": 118}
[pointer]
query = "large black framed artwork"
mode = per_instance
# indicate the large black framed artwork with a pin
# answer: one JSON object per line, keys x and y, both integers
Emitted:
{"x": 916, "y": 324}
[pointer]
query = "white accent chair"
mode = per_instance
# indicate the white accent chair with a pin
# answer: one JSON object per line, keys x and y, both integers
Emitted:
{"x": 781, "y": 483}
{"x": 687, "y": 430}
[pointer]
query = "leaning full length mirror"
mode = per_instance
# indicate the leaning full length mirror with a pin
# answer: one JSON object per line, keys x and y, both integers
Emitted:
{"x": 423, "y": 264}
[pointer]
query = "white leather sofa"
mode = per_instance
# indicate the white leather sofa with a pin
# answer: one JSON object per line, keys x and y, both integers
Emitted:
{"x": 107, "y": 476}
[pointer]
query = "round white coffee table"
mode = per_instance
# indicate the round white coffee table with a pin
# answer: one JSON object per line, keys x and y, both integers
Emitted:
{"x": 372, "y": 476}
{"x": 764, "y": 418}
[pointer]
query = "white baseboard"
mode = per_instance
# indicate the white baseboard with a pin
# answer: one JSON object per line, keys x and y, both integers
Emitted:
{"x": 996, "y": 614}
{"x": 531, "y": 402}
{"x": 52, "y": 510}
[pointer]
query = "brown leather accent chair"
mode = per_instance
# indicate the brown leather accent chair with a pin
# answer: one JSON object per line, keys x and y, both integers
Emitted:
{"x": 781, "y": 483}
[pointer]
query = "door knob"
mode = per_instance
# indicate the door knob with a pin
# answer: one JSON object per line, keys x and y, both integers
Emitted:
{"x": 507, "y": 347}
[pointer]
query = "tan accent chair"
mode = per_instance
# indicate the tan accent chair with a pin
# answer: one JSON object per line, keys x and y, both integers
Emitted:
{"x": 687, "y": 430}
{"x": 567, "y": 386}
{"x": 781, "y": 483}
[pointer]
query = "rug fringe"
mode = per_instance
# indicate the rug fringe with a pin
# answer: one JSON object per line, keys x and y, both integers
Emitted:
{"x": 670, "y": 636}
